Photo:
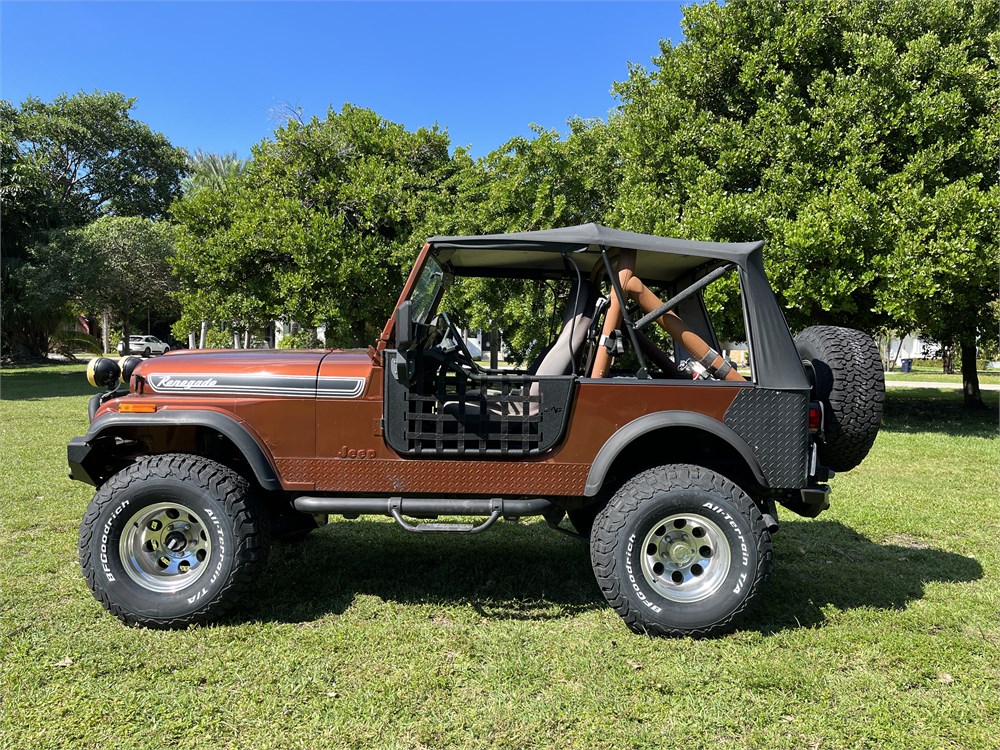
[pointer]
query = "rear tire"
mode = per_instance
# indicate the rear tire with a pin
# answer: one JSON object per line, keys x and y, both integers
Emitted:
{"x": 850, "y": 384}
{"x": 680, "y": 550}
{"x": 172, "y": 540}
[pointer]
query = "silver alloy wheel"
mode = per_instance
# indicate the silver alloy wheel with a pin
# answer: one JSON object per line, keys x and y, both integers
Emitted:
{"x": 164, "y": 547}
{"x": 685, "y": 557}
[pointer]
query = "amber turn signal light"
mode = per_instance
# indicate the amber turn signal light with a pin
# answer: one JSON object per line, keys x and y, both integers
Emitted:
{"x": 137, "y": 408}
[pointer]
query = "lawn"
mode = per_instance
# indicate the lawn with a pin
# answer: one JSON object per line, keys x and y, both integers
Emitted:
{"x": 922, "y": 375}
{"x": 879, "y": 629}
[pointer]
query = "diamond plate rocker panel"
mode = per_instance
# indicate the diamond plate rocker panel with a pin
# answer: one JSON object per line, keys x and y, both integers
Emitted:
{"x": 450, "y": 477}
{"x": 775, "y": 425}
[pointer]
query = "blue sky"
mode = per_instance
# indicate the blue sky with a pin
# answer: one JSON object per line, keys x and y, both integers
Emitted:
{"x": 210, "y": 75}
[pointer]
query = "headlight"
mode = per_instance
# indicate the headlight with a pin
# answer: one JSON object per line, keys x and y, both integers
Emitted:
{"x": 128, "y": 365}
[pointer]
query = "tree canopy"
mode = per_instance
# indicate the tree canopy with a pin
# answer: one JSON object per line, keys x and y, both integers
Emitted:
{"x": 129, "y": 255}
{"x": 66, "y": 163}
{"x": 318, "y": 228}
{"x": 858, "y": 137}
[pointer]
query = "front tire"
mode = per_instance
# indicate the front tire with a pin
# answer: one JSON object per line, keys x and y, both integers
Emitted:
{"x": 680, "y": 550}
{"x": 172, "y": 540}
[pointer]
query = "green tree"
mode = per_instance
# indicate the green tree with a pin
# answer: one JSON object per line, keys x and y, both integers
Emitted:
{"x": 131, "y": 273}
{"x": 857, "y": 136}
{"x": 529, "y": 183}
{"x": 319, "y": 228}
{"x": 64, "y": 164}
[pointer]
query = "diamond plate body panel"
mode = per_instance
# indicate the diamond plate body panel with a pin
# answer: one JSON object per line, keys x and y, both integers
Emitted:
{"x": 775, "y": 424}
{"x": 448, "y": 477}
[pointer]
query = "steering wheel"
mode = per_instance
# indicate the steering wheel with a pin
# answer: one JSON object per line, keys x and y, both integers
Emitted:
{"x": 450, "y": 341}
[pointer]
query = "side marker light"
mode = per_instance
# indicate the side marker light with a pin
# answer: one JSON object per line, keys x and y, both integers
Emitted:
{"x": 137, "y": 408}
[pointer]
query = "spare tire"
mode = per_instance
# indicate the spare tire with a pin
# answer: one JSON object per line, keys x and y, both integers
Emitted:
{"x": 849, "y": 382}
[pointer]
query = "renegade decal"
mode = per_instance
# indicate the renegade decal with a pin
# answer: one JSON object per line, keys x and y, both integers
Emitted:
{"x": 257, "y": 384}
{"x": 168, "y": 383}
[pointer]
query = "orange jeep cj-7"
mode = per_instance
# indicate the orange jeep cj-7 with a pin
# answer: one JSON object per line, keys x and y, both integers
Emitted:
{"x": 661, "y": 452}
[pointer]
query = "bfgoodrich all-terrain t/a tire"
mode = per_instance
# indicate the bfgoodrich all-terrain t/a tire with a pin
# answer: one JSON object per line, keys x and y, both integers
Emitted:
{"x": 850, "y": 383}
{"x": 680, "y": 550}
{"x": 172, "y": 540}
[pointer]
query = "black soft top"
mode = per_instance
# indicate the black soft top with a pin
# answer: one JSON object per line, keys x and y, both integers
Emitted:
{"x": 540, "y": 252}
{"x": 658, "y": 259}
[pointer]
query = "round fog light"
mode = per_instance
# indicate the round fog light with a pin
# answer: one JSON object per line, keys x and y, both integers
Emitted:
{"x": 103, "y": 372}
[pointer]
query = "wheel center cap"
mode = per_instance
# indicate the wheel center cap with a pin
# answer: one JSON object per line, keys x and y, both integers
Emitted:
{"x": 175, "y": 541}
{"x": 681, "y": 553}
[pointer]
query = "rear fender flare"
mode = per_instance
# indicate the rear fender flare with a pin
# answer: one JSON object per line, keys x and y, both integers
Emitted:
{"x": 235, "y": 430}
{"x": 629, "y": 433}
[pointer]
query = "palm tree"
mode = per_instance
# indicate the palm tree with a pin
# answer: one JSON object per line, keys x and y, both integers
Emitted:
{"x": 211, "y": 171}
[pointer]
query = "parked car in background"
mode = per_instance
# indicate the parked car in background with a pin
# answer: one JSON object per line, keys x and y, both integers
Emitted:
{"x": 143, "y": 345}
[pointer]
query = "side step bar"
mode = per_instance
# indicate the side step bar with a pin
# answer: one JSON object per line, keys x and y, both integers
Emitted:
{"x": 397, "y": 507}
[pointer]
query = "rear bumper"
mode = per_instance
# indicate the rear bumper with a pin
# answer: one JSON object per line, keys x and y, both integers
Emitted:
{"x": 817, "y": 496}
{"x": 809, "y": 501}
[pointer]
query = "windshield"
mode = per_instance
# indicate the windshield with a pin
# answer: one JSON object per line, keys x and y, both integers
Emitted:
{"x": 426, "y": 290}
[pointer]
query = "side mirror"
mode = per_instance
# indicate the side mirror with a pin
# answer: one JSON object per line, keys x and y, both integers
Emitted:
{"x": 404, "y": 327}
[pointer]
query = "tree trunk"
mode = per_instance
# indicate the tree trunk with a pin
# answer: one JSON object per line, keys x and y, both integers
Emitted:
{"x": 204, "y": 333}
{"x": 970, "y": 378}
{"x": 948, "y": 359}
{"x": 28, "y": 341}
{"x": 494, "y": 349}
{"x": 106, "y": 331}
{"x": 892, "y": 365}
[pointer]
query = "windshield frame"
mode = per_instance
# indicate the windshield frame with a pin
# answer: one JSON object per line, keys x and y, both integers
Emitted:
{"x": 427, "y": 290}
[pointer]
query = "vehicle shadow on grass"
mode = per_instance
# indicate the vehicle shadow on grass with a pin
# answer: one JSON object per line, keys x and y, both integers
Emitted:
{"x": 527, "y": 572}
{"x": 819, "y": 564}
{"x": 512, "y": 572}
{"x": 38, "y": 383}
{"x": 925, "y": 410}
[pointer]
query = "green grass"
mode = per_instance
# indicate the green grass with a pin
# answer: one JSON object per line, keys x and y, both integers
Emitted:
{"x": 879, "y": 628}
{"x": 936, "y": 376}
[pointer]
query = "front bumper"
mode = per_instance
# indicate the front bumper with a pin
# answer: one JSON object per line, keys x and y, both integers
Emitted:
{"x": 77, "y": 454}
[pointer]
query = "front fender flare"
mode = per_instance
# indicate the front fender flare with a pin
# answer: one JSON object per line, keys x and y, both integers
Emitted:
{"x": 235, "y": 430}
{"x": 658, "y": 420}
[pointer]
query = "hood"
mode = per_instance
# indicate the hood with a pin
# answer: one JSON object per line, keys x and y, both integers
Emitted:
{"x": 257, "y": 372}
